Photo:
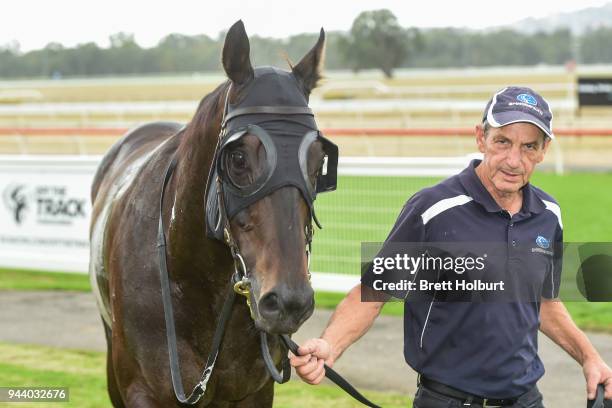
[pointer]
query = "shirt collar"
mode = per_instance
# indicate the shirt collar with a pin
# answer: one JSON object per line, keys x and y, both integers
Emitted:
{"x": 473, "y": 185}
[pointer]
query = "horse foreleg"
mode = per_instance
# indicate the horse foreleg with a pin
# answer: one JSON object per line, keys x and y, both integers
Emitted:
{"x": 113, "y": 389}
{"x": 126, "y": 384}
{"x": 139, "y": 397}
{"x": 261, "y": 399}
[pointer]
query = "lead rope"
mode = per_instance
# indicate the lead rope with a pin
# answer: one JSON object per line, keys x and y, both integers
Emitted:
{"x": 175, "y": 371}
{"x": 332, "y": 375}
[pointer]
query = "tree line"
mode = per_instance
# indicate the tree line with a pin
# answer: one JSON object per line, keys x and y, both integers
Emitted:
{"x": 376, "y": 40}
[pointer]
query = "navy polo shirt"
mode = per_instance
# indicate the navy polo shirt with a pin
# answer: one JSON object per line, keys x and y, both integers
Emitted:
{"x": 488, "y": 349}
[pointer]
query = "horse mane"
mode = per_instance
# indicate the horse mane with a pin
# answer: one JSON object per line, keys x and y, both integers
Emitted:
{"x": 206, "y": 121}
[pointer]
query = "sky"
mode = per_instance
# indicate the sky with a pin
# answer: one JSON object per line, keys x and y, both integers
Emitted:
{"x": 35, "y": 23}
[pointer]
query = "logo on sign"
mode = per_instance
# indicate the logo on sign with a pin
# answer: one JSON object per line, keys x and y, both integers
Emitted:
{"x": 530, "y": 99}
{"x": 542, "y": 242}
{"x": 52, "y": 204}
{"x": 16, "y": 201}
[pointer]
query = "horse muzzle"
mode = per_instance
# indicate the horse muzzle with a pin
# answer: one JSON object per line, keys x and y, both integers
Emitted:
{"x": 282, "y": 310}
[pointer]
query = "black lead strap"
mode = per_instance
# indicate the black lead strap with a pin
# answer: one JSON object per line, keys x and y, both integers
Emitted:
{"x": 175, "y": 371}
{"x": 332, "y": 375}
{"x": 599, "y": 401}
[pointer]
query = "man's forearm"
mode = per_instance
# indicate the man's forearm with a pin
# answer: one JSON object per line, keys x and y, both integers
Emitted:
{"x": 558, "y": 325}
{"x": 350, "y": 321}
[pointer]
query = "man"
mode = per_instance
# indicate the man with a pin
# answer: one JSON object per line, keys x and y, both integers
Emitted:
{"x": 479, "y": 354}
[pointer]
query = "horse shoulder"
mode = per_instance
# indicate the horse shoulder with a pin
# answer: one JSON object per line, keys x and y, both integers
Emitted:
{"x": 116, "y": 174}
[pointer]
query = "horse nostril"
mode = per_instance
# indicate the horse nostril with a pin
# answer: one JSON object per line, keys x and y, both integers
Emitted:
{"x": 270, "y": 305}
{"x": 297, "y": 305}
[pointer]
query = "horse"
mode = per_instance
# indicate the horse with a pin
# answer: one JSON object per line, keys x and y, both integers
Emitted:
{"x": 221, "y": 214}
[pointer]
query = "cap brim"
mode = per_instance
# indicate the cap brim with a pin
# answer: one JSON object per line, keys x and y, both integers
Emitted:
{"x": 508, "y": 118}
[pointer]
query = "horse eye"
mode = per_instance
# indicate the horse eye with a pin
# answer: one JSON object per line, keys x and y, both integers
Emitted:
{"x": 238, "y": 160}
{"x": 316, "y": 170}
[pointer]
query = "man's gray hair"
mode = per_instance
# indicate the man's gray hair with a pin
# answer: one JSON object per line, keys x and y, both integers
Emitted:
{"x": 486, "y": 126}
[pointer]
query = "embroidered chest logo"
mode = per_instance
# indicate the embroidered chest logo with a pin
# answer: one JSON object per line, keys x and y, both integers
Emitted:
{"x": 543, "y": 245}
{"x": 542, "y": 242}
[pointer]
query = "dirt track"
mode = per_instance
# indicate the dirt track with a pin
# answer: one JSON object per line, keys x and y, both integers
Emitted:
{"x": 70, "y": 320}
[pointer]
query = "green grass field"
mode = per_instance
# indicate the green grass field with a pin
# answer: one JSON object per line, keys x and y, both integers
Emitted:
{"x": 84, "y": 374}
{"x": 473, "y": 84}
{"x": 364, "y": 210}
{"x": 406, "y": 83}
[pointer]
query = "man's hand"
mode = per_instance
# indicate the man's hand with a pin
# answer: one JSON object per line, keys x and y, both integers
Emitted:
{"x": 597, "y": 372}
{"x": 558, "y": 325}
{"x": 309, "y": 364}
{"x": 349, "y": 322}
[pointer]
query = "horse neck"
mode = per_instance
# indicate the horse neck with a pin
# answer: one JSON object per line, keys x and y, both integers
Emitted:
{"x": 191, "y": 250}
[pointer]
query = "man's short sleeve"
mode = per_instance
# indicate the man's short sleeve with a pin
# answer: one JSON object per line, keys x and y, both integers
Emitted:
{"x": 407, "y": 228}
{"x": 552, "y": 282}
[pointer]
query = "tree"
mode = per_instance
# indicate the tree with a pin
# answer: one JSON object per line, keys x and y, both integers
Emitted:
{"x": 376, "y": 40}
{"x": 595, "y": 46}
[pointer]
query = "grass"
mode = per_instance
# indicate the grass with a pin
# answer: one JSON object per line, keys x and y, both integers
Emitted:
{"x": 17, "y": 279}
{"x": 452, "y": 85}
{"x": 84, "y": 374}
{"x": 585, "y": 200}
{"x": 193, "y": 87}
{"x": 364, "y": 210}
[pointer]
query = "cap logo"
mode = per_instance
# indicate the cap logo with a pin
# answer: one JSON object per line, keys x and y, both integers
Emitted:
{"x": 530, "y": 99}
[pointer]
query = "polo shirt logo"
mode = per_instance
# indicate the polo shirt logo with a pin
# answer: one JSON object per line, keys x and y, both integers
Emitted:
{"x": 542, "y": 242}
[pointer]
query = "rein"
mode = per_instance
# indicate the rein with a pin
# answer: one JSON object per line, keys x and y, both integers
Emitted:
{"x": 239, "y": 284}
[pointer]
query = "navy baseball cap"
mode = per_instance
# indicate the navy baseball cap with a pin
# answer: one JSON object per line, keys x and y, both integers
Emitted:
{"x": 519, "y": 104}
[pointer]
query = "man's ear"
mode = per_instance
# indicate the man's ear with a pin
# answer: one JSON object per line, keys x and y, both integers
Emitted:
{"x": 236, "y": 59}
{"x": 545, "y": 146}
{"x": 308, "y": 70}
{"x": 480, "y": 138}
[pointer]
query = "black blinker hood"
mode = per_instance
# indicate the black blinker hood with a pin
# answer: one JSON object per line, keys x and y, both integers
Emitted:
{"x": 275, "y": 110}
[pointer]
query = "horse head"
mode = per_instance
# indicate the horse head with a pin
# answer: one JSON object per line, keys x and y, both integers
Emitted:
{"x": 270, "y": 163}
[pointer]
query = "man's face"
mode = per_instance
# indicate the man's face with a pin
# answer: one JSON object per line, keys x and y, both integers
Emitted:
{"x": 511, "y": 154}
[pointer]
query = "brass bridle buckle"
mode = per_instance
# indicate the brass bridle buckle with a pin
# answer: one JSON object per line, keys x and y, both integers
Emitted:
{"x": 243, "y": 287}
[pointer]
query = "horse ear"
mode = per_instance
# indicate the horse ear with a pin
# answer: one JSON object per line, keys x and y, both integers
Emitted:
{"x": 236, "y": 58}
{"x": 308, "y": 70}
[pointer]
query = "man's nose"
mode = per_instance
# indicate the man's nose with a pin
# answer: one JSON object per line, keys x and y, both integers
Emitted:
{"x": 514, "y": 157}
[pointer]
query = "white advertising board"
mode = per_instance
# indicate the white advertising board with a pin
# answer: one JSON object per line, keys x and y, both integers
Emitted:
{"x": 45, "y": 210}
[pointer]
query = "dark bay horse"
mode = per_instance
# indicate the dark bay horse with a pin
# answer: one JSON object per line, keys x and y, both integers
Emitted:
{"x": 271, "y": 233}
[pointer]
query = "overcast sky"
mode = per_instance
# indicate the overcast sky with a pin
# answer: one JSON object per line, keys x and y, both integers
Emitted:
{"x": 34, "y": 23}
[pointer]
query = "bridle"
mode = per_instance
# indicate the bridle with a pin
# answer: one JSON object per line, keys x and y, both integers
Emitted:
{"x": 239, "y": 282}
{"x": 242, "y": 282}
